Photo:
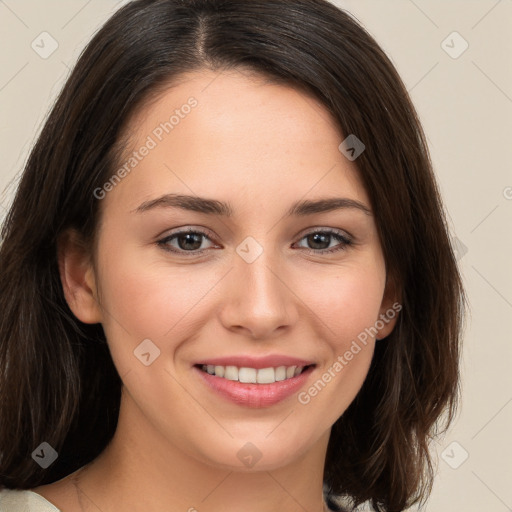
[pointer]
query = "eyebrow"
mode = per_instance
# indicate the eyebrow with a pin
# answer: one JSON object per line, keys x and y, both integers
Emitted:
{"x": 212, "y": 206}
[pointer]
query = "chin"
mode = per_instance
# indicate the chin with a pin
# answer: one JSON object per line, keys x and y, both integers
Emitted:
{"x": 255, "y": 453}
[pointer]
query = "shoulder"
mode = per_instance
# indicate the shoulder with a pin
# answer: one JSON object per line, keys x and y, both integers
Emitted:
{"x": 22, "y": 500}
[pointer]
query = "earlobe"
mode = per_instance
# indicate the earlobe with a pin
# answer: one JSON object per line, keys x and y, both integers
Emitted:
{"x": 77, "y": 277}
{"x": 387, "y": 320}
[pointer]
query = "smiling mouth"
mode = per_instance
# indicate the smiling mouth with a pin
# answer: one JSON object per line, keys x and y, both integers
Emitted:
{"x": 254, "y": 375}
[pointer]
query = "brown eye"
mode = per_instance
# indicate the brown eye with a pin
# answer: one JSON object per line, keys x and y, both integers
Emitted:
{"x": 320, "y": 241}
{"x": 182, "y": 242}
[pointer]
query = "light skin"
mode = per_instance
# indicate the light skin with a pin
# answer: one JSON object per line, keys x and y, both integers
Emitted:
{"x": 260, "y": 147}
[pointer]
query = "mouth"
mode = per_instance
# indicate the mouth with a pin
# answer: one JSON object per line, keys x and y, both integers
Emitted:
{"x": 250, "y": 375}
{"x": 254, "y": 387}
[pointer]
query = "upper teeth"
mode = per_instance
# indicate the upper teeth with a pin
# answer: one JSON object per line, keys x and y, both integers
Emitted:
{"x": 253, "y": 375}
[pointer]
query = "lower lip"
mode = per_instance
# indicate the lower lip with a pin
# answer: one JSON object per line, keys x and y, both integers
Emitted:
{"x": 255, "y": 395}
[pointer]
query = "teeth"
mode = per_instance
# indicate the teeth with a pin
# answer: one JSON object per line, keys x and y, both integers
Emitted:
{"x": 280, "y": 373}
{"x": 265, "y": 376}
{"x": 248, "y": 374}
{"x": 253, "y": 375}
{"x": 231, "y": 373}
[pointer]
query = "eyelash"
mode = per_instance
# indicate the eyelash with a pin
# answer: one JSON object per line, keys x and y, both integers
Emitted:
{"x": 345, "y": 242}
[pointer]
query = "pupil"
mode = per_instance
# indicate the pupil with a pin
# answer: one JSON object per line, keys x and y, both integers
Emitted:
{"x": 189, "y": 238}
{"x": 317, "y": 238}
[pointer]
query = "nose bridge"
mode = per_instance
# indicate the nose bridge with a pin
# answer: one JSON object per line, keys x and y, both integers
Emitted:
{"x": 258, "y": 300}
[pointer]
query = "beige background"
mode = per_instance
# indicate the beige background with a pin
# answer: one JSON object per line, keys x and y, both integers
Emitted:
{"x": 465, "y": 104}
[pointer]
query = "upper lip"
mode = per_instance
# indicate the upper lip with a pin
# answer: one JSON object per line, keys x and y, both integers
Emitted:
{"x": 269, "y": 361}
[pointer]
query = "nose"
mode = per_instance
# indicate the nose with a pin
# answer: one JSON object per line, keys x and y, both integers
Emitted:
{"x": 258, "y": 301}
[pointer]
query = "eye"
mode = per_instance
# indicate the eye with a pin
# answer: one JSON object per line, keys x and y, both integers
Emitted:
{"x": 183, "y": 242}
{"x": 321, "y": 241}
{"x": 190, "y": 242}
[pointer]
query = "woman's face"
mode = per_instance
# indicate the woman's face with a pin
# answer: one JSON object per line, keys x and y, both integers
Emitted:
{"x": 262, "y": 281}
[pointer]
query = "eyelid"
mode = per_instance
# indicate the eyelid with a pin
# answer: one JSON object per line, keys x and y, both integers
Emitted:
{"x": 344, "y": 238}
{"x": 187, "y": 229}
{"x": 205, "y": 232}
{"x": 324, "y": 229}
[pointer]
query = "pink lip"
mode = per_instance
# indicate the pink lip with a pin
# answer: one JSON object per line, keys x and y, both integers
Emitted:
{"x": 255, "y": 395}
{"x": 256, "y": 362}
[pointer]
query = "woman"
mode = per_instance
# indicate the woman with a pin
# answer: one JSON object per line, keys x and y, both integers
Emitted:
{"x": 300, "y": 354}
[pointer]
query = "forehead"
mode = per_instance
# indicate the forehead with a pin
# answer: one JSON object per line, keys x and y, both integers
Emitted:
{"x": 226, "y": 131}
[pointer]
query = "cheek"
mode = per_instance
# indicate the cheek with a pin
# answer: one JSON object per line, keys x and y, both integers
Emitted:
{"x": 348, "y": 309}
{"x": 148, "y": 300}
{"x": 347, "y": 302}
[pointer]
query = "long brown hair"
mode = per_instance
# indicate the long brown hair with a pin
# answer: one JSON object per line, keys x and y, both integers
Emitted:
{"x": 57, "y": 380}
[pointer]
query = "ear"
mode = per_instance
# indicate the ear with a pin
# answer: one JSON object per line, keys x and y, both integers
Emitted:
{"x": 78, "y": 277}
{"x": 389, "y": 310}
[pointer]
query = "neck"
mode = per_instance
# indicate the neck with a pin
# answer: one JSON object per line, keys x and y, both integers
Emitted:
{"x": 145, "y": 471}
